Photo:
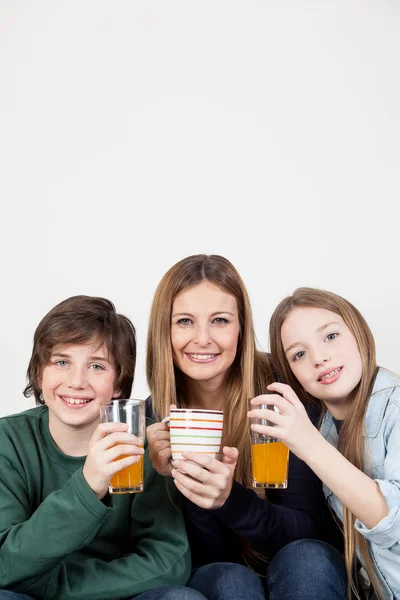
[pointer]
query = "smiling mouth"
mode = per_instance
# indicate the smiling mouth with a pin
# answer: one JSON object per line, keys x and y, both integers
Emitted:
{"x": 200, "y": 357}
{"x": 76, "y": 400}
{"x": 330, "y": 374}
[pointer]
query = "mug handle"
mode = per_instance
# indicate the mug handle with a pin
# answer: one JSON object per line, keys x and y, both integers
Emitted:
{"x": 166, "y": 420}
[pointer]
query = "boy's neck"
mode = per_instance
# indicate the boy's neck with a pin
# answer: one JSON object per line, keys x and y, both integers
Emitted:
{"x": 72, "y": 442}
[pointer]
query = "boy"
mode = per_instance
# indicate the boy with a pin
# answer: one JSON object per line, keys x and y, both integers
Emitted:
{"x": 62, "y": 535}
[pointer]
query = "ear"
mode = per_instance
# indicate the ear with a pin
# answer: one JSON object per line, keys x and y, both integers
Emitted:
{"x": 117, "y": 394}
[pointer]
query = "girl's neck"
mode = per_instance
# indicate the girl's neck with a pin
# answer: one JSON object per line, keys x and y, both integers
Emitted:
{"x": 205, "y": 394}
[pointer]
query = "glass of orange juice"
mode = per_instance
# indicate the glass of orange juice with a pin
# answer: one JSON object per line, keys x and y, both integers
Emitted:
{"x": 269, "y": 456}
{"x": 132, "y": 412}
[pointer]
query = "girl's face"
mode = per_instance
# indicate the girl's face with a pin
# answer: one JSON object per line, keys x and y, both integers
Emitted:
{"x": 204, "y": 332}
{"x": 323, "y": 356}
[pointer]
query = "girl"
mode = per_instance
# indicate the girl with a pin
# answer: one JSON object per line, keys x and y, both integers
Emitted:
{"x": 324, "y": 350}
{"x": 201, "y": 354}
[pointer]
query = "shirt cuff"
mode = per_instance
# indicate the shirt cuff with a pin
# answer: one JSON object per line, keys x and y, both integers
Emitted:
{"x": 387, "y": 532}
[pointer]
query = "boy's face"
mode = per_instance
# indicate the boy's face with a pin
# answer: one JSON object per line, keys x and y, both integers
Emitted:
{"x": 77, "y": 378}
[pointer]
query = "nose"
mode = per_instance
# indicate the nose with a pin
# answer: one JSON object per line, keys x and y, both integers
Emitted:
{"x": 320, "y": 357}
{"x": 203, "y": 337}
{"x": 76, "y": 378}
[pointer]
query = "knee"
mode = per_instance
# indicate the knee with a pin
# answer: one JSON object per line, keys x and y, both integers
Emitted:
{"x": 227, "y": 580}
{"x": 309, "y": 565}
{"x": 178, "y": 593}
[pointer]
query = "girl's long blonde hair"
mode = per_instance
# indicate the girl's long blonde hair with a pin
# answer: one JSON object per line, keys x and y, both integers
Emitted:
{"x": 249, "y": 374}
{"x": 351, "y": 437}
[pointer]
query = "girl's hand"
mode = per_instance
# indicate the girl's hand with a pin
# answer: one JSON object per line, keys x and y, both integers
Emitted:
{"x": 159, "y": 445}
{"x": 109, "y": 442}
{"x": 292, "y": 424}
{"x": 207, "y": 483}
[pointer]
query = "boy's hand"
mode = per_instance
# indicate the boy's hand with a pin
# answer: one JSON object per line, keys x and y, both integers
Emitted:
{"x": 109, "y": 442}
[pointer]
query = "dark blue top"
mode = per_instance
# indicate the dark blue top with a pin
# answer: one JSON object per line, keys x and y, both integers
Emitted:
{"x": 297, "y": 512}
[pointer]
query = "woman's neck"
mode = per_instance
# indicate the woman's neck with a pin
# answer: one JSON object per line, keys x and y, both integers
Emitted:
{"x": 205, "y": 394}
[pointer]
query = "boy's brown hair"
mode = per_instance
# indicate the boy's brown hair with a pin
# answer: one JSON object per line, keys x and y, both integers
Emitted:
{"x": 78, "y": 320}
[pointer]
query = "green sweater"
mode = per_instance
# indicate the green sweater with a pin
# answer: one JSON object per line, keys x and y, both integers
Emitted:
{"x": 59, "y": 541}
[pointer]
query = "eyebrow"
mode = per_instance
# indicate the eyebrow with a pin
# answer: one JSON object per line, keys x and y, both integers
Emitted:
{"x": 317, "y": 331}
{"x": 187, "y": 314}
{"x": 63, "y": 355}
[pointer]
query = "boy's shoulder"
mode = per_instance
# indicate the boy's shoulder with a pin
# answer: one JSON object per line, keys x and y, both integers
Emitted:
{"x": 20, "y": 420}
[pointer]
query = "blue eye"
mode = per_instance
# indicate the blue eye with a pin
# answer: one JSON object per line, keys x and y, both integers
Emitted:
{"x": 184, "y": 321}
{"x": 97, "y": 367}
{"x": 299, "y": 355}
{"x": 331, "y": 336}
{"x": 61, "y": 363}
{"x": 220, "y": 320}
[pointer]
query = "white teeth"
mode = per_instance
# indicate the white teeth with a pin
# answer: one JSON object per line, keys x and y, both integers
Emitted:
{"x": 75, "y": 400}
{"x": 202, "y": 356}
{"x": 330, "y": 374}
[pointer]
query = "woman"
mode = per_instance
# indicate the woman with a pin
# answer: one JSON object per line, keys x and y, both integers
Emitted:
{"x": 201, "y": 354}
{"x": 325, "y": 352}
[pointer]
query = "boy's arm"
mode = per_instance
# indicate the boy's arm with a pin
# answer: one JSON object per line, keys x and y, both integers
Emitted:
{"x": 160, "y": 552}
{"x": 33, "y": 542}
{"x": 38, "y": 563}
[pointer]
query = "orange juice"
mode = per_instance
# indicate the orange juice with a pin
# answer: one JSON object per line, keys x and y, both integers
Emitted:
{"x": 270, "y": 464}
{"x": 128, "y": 480}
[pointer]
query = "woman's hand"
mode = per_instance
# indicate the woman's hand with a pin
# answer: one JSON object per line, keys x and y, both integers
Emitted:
{"x": 110, "y": 441}
{"x": 159, "y": 445}
{"x": 207, "y": 483}
{"x": 292, "y": 424}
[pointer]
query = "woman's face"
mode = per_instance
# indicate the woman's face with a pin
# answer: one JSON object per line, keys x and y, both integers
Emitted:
{"x": 323, "y": 355}
{"x": 204, "y": 332}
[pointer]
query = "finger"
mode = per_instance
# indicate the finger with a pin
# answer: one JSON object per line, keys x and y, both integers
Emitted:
{"x": 286, "y": 391}
{"x": 195, "y": 498}
{"x": 157, "y": 436}
{"x": 204, "y": 460}
{"x": 230, "y": 456}
{"x": 193, "y": 470}
{"x": 123, "y": 449}
{"x": 156, "y": 428}
{"x": 104, "y": 429}
{"x": 172, "y": 407}
{"x": 267, "y": 415}
{"x": 281, "y": 403}
{"x": 195, "y": 486}
{"x": 160, "y": 445}
{"x": 118, "y": 465}
{"x": 271, "y": 431}
{"x": 118, "y": 437}
{"x": 265, "y": 399}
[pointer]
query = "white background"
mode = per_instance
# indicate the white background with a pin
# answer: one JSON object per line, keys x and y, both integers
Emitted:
{"x": 134, "y": 133}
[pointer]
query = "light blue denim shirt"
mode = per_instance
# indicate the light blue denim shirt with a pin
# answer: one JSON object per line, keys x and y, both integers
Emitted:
{"x": 382, "y": 463}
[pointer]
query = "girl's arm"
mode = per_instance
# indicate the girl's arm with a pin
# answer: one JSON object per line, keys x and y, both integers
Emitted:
{"x": 358, "y": 492}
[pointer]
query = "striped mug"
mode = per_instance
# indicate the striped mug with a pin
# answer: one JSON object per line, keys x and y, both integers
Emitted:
{"x": 195, "y": 430}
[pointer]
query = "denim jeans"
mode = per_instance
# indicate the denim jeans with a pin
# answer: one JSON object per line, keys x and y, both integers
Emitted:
{"x": 227, "y": 581}
{"x": 307, "y": 570}
{"x": 173, "y": 592}
{"x": 302, "y": 570}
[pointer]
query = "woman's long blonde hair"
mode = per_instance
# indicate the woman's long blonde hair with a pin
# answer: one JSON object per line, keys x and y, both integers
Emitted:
{"x": 249, "y": 374}
{"x": 351, "y": 436}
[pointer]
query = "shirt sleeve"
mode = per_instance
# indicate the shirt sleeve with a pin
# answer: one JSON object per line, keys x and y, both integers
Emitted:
{"x": 386, "y": 533}
{"x": 160, "y": 557}
{"x": 40, "y": 550}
